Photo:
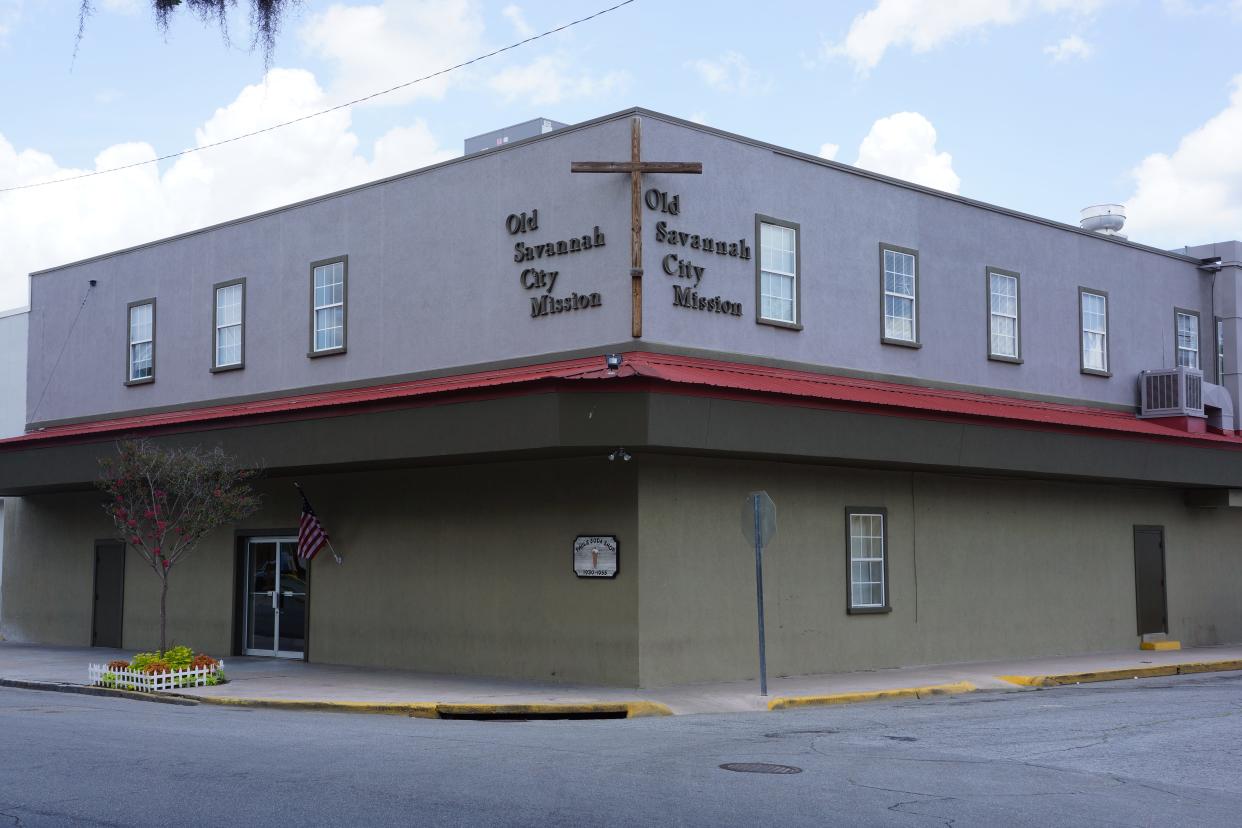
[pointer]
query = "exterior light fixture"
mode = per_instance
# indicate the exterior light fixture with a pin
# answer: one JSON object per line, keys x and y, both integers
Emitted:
{"x": 620, "y": 452}
{"x": 613, "y": 361}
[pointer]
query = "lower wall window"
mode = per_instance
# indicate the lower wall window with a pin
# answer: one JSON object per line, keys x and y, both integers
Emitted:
{"x": 867, "y": 546}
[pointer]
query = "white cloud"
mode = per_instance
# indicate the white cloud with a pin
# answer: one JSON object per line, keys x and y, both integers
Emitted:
{"x": 903, "y": 145}
{"x": 829, "y": 151}
{"x": 374, "y": 47}
{"x": 1067, "y": 48}
{"x": 923, "y": 25}
{"x": 48, "y": 226}
{"x": 515, "y": 17}
{"x": 10, "y": 14}
{"x": 731, "y": 72}
{"x": 1193, "y": 196}
{"x": 549, "y": 79}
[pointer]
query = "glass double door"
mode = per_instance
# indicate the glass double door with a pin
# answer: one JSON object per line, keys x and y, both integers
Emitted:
{"x": 276, "y": 589}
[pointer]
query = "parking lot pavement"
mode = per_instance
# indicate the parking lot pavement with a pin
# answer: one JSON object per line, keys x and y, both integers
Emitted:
{"x": 1143, "y": 752}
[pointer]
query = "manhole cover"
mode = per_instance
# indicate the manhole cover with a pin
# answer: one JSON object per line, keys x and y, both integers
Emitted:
{"x": 759, "y": 767}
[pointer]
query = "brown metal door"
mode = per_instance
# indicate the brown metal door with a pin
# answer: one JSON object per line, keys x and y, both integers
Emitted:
{"x": 109, "y": 594}
{"x": 1149, "y": 579}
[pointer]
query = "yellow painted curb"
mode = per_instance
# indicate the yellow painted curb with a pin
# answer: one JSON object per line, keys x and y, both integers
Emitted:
{"x": 437, "y": 710}
{"x": 791, "y": 702}
{"x": 1126, "y": 673}
{"x": 1209, "y": 666}
{"x": 421, "y": 710}
{"x": 1160, "y": 645}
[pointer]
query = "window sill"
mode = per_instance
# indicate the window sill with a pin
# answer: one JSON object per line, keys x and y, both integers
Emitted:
{"x": 777, "y": 323}
{"x": 328, "y": 352}
{"x": 220, "y": 369}
{"x": 904, "y": 343}
{"x": 1092, "y": 372}
{"x": 1003, "y": 358}
{"x": 144, "y": 381}
{"x": 868, "y": 610}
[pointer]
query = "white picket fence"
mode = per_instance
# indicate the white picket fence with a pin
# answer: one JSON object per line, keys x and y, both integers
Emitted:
{"x": 134, "y": 680}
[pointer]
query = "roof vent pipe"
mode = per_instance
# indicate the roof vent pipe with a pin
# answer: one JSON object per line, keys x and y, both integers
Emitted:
{"x": 1105, "y": 219}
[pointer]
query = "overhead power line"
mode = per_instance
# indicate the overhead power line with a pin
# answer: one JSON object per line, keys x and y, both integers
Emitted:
{"x": 345, "y": 105}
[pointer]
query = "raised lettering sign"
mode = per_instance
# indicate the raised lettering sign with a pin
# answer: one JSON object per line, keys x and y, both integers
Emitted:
{"x": 542, "y": 280}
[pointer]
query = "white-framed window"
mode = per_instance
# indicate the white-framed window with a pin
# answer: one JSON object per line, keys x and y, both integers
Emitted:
{"x": 1220, "y": 352}
{"x": 868, "y": 559}
{"x": 1187, "y": 339}
{"x": 228, "y": 320}
{"x": 1094, "y": 313}
{"x": 778, "y": 272}
{"x": 900, "y": 294}
{"x": 328, "y": 306}
{"x": 140, "y": 359}
{"x": 1003, "y": 327}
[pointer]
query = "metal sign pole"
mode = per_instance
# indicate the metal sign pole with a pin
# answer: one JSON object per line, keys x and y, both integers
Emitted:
{"x": 763, "y": 660}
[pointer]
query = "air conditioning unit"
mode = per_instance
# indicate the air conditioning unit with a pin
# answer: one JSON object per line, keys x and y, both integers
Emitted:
{"x": 1171, "y": 392}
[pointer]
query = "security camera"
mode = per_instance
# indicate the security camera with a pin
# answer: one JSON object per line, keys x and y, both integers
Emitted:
{"x": 613, "y": 361}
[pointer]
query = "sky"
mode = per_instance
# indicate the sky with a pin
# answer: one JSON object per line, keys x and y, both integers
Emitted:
{"x": 1043, "y": 106}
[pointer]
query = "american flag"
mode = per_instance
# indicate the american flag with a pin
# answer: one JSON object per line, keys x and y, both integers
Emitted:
{"x": 311, "y": 534}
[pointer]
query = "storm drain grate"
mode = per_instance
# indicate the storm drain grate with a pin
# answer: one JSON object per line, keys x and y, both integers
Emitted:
{"x": 759, "y": 767}
{"x": 529, "y": 716}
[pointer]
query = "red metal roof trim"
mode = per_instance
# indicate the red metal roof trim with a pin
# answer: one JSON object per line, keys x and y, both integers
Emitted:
{"x": 792, "y": 383}
{"x": 788, "y": 385}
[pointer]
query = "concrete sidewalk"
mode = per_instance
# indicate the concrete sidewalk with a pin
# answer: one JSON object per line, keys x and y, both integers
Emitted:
{"x": 286, "y": 681}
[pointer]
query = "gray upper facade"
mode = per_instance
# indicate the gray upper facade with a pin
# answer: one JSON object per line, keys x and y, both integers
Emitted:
{"x": 506, "y": 256}
{"x": 13, "y": 336}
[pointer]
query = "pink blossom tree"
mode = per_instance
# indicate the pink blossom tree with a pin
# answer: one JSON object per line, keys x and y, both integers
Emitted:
{"x": 165, "y": 501}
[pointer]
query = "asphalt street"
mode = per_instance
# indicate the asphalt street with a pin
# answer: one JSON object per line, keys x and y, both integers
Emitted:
{"x": 1143, "y": 752}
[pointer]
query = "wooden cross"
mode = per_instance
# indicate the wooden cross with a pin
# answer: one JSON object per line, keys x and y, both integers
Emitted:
{"x": 636, "y": 167}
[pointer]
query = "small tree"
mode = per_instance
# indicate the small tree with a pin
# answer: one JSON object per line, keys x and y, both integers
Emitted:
{"x": 165, "y": 501}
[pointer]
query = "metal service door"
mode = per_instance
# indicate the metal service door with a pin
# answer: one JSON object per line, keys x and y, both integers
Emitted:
{"x": 109, "y": 594}
{"x": 276, "y": 591}
{"x": 1149, "y": 584}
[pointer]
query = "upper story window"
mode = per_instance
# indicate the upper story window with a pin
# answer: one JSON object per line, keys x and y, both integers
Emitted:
{"x": 1220, "y": 352}
{"x": 868, "y": 560}
{"x": 228, "y": 320}
{"x": 778, "y": 272}
{"x": 901, "y": 268}
{"x": 1004, "y": 330}
{"x": 328, "y": 306}
{"x": 1187, "y": 338}
{"x": 140, "y": 356}
{"x": 1093, "y": 311}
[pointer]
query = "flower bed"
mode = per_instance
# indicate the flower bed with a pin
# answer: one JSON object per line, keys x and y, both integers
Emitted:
{"x": 175, "y": 669}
